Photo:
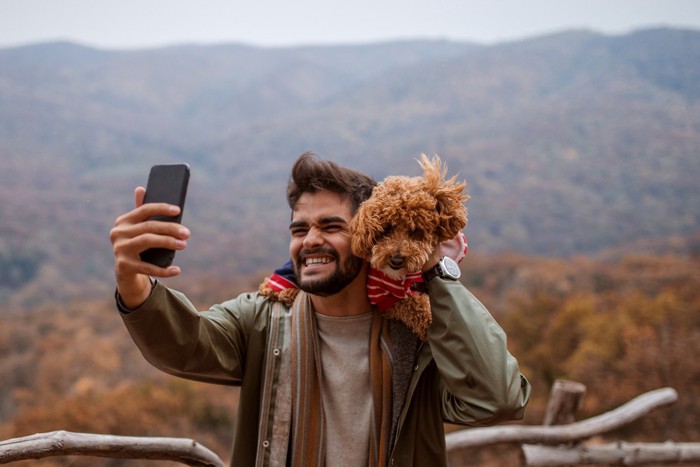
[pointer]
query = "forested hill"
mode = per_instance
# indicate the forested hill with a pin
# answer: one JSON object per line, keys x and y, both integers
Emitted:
{"x": 571, "y": 143}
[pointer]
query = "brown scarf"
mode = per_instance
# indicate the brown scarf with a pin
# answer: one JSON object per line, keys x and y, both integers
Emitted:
{"x": 308, "y": 421}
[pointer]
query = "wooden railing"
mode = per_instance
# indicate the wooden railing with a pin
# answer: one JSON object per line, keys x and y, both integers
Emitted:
{"x": 65, "y": 443}
{"x": 558, "y": 442}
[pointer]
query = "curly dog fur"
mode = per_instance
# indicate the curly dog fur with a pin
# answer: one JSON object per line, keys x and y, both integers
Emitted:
{"x": 398, "y": 227}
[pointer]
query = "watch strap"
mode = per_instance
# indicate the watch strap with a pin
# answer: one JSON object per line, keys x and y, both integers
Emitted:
{"x": 432, "y": 273}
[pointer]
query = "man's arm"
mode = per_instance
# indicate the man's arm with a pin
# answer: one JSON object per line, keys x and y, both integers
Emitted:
{"x": 170, "y": 332}
{"x": 177, "y": 339}
{"x": 480, "y": 380}
{"x": 133, "y": 233}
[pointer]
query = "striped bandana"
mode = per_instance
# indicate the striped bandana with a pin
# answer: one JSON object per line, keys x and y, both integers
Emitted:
{"x": 384, "y": 291}
{"x": 308, "y": 422}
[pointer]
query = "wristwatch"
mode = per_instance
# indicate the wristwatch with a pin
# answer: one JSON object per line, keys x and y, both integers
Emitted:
{"x": 446, "y": 268}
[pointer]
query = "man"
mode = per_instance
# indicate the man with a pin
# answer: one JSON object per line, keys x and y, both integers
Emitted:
{"x": 327, "y": 380}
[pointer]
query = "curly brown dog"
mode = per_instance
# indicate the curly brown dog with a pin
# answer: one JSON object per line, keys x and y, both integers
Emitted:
{"x": 398, "y": 227}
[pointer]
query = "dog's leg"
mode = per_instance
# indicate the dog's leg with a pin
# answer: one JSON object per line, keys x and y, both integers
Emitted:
{"x": 414, "y": 312}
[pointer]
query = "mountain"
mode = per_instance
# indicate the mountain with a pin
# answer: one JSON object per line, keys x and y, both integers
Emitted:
{"x": 572, "y": 143}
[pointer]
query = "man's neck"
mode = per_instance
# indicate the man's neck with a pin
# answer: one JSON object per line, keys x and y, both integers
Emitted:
{"x": 351, "y": 301}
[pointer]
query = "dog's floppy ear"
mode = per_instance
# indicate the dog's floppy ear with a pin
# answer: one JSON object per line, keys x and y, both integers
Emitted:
{"x": 364, "y": 228}
{"x": 449, "y": 196}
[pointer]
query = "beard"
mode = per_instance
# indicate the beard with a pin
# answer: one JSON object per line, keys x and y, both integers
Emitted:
{"x": 345, "y": 272}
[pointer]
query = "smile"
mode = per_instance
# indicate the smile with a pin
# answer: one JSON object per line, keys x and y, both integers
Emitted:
{"x": 318, "y": 260}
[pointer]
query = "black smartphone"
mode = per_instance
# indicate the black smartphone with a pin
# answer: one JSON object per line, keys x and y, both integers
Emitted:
{"x": 166, "y": 184}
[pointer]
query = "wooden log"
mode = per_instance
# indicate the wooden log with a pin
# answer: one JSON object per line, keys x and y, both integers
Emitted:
{"x": 626, "y": 413}
{"x": 619, "y": 453}
{"x": 65, "y": 443}
{"x": 566, "y": 398}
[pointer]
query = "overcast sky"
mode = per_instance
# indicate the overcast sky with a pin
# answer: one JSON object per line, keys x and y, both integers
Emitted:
{"x": 150, "y": 23}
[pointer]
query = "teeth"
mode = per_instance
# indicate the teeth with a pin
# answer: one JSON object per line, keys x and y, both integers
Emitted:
{"x": 310, "y": 261}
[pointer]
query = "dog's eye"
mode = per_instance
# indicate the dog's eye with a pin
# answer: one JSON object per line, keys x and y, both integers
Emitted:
{"x": 417, "y": 235}
{"x": 387, "y": 230}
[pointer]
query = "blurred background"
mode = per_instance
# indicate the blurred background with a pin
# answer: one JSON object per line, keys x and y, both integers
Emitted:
{"x": 575, "y": 124}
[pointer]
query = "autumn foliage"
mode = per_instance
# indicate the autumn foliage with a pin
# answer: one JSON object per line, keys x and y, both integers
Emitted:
{"x": 621, "y": 326}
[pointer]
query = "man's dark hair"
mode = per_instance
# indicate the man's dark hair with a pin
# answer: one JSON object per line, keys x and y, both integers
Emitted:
{"x": 311, "y": 174}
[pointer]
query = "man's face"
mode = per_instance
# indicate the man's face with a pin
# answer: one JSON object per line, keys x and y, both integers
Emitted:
{"x": 320, "y": 243}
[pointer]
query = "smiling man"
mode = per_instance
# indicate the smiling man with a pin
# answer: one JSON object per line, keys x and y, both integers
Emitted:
{"x": 326, "y": 381}
{"x": 320, "y": 244}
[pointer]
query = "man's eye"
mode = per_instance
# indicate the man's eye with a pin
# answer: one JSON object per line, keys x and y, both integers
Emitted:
{"x": 298, "y": 232}
{"x": 332, "y": 228}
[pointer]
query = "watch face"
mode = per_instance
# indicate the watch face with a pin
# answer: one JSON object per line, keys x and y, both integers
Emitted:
{"x": 451, "y": 268}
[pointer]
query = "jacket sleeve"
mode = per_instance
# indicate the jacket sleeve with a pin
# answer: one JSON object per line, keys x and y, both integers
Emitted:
{"x": 480, "y": 381}
{"x": 177, "y": 339}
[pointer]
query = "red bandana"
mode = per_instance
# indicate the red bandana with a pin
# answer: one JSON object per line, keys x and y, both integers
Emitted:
{"x": 384, "y": 291}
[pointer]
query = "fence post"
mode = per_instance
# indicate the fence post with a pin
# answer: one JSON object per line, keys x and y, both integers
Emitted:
{"x": 565, "y": 399}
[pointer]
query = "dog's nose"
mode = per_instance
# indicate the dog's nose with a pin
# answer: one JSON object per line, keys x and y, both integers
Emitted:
{"x": 396, "y": 262}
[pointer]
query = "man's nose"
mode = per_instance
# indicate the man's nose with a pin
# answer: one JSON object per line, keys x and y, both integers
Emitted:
{"x": 313, "y": 237}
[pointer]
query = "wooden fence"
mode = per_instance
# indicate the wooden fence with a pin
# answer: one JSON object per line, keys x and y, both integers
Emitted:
{"x": 558, "y": 442}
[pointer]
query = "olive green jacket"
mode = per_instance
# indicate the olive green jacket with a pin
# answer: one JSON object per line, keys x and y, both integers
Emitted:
{"x": 463, "y": 374}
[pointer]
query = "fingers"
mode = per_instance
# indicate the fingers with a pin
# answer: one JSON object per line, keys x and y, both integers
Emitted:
{"x": 156, "y": 233}
{"x": 126, "y": 268}
{"x": 146, "y": 211}
{"x": 129, "y": 240}
{"x": 135, "y": 232}
{"x": 455, "y": 248}
{"x": 139, "y": 194}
